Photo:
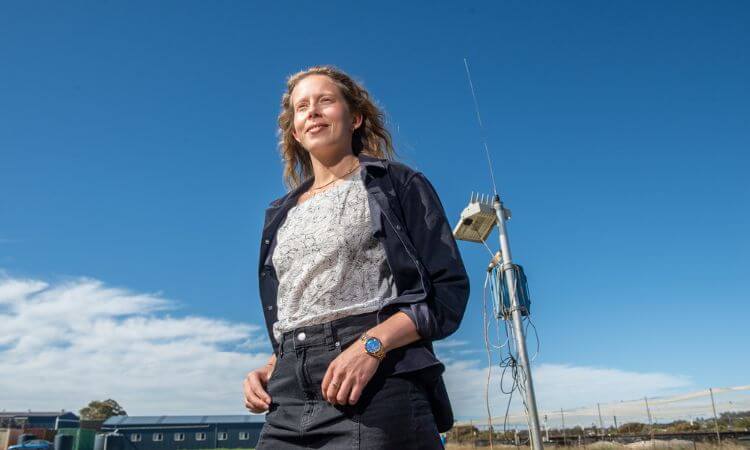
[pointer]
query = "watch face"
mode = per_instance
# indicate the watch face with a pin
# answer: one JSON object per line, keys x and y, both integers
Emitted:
{"x": 372, "y": 345}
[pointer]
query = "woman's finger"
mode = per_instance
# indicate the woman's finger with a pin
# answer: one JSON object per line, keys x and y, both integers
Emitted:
{"x": 255, "y": 407}
{"x": 327, "y": 381}
{"x": 250, "y": 405}
{"x": 333, "y": 388}
{"x": 260, "y": 391}
{"x": 342, "y": 396}
{"x": 255, "y": 388}
{"x": 355, "y": 393}
{"x": 252, "y": 402}
{"x": 246, "y": 389}
{"x": 256, "y": 403}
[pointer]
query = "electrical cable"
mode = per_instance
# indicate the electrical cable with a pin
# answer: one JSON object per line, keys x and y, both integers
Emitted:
{"x": 512, "y": 377}
{"x": 536, "y": 336}
{"x": 492, "y": 255}
{"x": 485, "y": 326}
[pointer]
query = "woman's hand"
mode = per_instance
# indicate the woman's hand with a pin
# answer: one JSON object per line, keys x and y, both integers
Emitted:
{"x": 348, "y": 374}
{"x": 257, "y": 399}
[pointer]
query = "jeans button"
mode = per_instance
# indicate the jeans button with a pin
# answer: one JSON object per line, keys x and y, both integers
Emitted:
{"x": 301, "y": 336}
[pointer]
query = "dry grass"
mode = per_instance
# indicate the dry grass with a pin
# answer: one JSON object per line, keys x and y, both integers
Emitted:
{"x": 645, "y": 445}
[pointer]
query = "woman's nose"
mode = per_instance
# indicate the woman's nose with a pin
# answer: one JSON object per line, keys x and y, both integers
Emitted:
{"x": 312, "y": 111}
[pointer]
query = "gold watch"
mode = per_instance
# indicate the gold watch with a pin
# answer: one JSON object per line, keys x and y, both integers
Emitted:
{"x": 373, "y": 346}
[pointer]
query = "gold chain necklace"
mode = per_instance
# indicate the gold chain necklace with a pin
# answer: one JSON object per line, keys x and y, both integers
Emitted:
{"x": 312, "y": 189}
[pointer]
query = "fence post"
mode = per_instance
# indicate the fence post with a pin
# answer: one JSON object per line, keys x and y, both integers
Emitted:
{"x": 650, "y": 422}
{"x": 617, "y": 430}
{"x": 716, "y": 419}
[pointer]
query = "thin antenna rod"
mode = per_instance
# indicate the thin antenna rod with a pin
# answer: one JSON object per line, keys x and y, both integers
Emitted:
{"x": 481, "y": 127}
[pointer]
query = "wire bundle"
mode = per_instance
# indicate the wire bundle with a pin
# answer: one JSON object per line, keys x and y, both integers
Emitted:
{"x": 505, "y": 345}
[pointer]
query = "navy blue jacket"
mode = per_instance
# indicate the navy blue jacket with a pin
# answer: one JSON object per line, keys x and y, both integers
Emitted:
{"x": 433, "y": 288}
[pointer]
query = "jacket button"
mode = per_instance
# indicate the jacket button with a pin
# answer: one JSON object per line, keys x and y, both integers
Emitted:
{"x": 263, "y": 274}
{"x": 266, "y": 241}
{"x": 398, "y": 227}
{"x": 269, "y": 307}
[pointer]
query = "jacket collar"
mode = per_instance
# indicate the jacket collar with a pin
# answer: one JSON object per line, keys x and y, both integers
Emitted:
{"x": 371, "y": 164}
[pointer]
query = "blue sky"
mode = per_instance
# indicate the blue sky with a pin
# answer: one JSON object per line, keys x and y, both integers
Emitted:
{"x": 138, "y": 152}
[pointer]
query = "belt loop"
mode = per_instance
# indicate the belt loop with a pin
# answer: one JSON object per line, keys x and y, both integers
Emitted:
{"x": 330, "y": 338}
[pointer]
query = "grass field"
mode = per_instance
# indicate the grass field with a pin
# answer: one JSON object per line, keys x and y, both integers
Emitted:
{"x": 658, "y": 445}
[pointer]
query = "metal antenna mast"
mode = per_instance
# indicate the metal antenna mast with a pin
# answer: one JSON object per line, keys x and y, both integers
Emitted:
{"x": 511, "y": 283}
{"x": 477, "y": 221}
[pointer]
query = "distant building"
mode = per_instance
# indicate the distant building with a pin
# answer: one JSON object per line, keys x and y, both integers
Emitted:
{"x": 48, "y": 420}
{"x": 186, "y": 432}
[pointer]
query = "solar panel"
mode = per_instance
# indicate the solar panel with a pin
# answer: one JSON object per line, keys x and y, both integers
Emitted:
{"x": 132, "y": 421}
{"x": 182, "y": 420}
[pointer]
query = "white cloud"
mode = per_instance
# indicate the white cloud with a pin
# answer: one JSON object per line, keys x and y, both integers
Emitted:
{"x": 577, "y": 389}
{"x": 64, "y": 344}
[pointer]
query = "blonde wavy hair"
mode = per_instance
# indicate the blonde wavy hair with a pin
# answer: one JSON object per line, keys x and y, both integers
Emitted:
{"x": 371, "y": 138}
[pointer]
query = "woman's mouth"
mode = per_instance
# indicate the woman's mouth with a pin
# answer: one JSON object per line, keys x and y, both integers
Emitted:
{"x": 316, "y": 128}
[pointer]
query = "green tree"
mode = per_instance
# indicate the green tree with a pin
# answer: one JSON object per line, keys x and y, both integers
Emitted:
{"x": 462, "y": 433}
{"x": 102, "y": 410}
{"x": 632, "y": 428}
{"x": 683, "y": 426}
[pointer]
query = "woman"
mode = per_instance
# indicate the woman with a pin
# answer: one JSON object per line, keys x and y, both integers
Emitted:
{"x": 359, "y": 273}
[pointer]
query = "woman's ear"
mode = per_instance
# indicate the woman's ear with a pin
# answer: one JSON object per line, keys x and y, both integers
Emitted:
{"x": 357, "y": 121}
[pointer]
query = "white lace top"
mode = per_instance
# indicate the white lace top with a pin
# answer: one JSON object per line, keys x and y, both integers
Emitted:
{"x": 328, "y": 263}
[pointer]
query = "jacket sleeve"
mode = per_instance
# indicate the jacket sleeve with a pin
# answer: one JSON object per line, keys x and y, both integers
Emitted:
{"x": 432, "y": 236}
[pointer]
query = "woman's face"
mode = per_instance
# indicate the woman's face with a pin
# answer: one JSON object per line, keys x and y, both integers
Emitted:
{"x": 323, "y": 123}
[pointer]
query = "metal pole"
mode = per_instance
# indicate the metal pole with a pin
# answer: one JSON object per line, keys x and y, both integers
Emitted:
{"x": 616, "y": 428}
{"x": 562, "y": 414}
{"x": 716, "y": 419}
{"x": 601, "y": 422}
{"x": 546, "y": 429}
{"x": 510, "y": 279}
{"x": 650, "y": 423}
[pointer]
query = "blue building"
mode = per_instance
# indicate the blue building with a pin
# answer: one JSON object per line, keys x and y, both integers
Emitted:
{"x": 185, "y": 432}
{"x": 48, "y": 420}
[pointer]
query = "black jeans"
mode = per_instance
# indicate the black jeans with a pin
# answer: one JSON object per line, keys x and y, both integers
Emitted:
{"x": 393, "y": 412}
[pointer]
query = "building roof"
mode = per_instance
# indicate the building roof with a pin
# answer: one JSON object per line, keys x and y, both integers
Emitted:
{"x": 35, "y": 414}
{"x": 135, "y": 421}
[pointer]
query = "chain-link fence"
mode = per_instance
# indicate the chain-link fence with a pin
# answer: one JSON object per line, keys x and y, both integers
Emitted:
{"x": 711, "y": 415}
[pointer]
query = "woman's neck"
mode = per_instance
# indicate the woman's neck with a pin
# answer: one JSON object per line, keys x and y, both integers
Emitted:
{"x": 326, "y": 170}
